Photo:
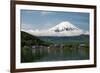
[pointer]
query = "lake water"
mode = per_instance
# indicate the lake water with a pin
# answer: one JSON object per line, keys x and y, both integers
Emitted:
{"x": 59, "y": 54}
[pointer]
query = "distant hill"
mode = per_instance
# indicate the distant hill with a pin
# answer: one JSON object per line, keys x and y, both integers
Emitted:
{"x": 29, "y": 40}
{"x": 65, "y": 39}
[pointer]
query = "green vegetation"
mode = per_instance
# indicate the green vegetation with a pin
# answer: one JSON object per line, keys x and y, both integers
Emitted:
{"x": 27, "y": 41}
{"x": 26, "y": 54}
{"x": 60, "y": 49}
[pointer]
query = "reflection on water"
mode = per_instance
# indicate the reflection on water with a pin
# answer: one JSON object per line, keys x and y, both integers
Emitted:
{"x": 60, "y": 52}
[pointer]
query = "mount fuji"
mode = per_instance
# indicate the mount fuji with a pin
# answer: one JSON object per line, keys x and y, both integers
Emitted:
{"x": 64, "y": 28}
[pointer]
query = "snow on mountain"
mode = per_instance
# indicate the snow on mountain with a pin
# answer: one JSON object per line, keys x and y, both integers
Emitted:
{"x": 64, "y": 26}
{"x": 61, "y": 29}
{"x": 66, "y": 29}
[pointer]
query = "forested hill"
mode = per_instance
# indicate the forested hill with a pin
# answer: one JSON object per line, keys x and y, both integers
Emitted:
{"x": 28, "y": 40}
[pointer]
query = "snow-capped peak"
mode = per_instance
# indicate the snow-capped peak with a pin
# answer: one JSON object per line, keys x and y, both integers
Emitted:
{"x": 64, "y": 26}
{"x": 62, "y": 29}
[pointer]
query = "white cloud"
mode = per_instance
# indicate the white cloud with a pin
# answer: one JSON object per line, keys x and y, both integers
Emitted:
{"x": 47, "y": 32}
{"x": 52, "y": 33}
{"x": 28, "y": 26}
{"x": 87, "y": 33}
{"x": 45, "y": 12}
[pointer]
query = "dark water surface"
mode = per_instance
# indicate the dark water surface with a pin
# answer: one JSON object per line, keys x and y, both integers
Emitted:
{"x": 66, "y": 53}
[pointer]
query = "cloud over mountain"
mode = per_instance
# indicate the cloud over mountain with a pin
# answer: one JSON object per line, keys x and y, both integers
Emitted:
{"x": 64, "y": 28}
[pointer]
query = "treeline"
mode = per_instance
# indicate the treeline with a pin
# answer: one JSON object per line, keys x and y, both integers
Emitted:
{"x": 27, "y": 41}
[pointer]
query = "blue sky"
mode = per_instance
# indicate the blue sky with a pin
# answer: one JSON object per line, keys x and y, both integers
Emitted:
{"x": 32, "y": 19}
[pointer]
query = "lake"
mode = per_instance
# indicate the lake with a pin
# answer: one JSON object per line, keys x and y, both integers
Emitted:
{"x": 64, "y": 48}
